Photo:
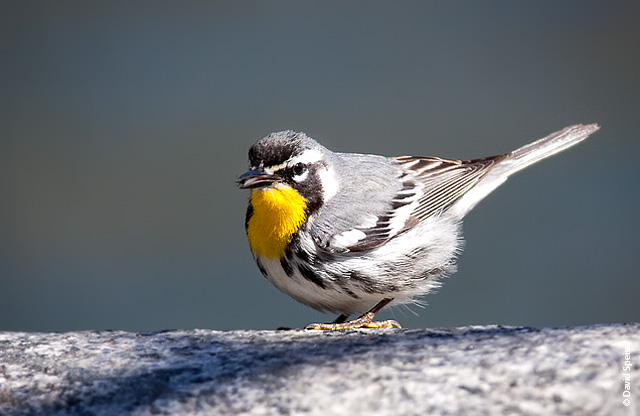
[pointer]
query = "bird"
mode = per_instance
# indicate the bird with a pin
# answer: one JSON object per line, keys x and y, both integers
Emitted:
{"x": 351, "y": 233}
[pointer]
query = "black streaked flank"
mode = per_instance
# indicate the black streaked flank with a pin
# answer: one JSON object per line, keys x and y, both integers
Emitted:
{"x": 295, "y": 253}
{"x": 261, "y": 267}
{"x": 305, "y": 256}
{"x": 286, "y": 266}
{"x": 364, "y": 280}
{"x": 310, "y": 275}
{"x": 248, "y": 216}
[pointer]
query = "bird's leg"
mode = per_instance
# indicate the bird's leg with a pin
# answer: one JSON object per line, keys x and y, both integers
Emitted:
{"x": 364, "y": 321}
{"x": 340, "y": 319}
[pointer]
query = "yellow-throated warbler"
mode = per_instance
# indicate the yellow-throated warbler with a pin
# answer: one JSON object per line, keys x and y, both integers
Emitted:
{"x": 350, "y": 233}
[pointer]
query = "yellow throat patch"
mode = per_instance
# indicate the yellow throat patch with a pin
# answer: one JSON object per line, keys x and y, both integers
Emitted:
{"x": 278, "y": 212}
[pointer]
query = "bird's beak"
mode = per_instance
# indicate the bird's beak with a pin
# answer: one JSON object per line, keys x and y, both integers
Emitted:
{"x": 256, "y": 178}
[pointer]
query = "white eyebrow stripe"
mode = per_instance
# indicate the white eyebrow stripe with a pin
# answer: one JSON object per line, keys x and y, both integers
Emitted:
{"x": 308, "y": 156}
{"x": 273, "y": 169}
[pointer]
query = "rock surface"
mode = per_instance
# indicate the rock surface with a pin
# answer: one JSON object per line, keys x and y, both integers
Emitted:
{"x": 467, "y": 371}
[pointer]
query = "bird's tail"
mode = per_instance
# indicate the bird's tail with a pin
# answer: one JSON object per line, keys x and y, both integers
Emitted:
{"x": 512, "y": 162}
{"x": 545, "y": 147}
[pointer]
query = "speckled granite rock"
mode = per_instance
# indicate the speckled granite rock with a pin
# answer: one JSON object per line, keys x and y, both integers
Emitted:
{"x": 466, "y": 371}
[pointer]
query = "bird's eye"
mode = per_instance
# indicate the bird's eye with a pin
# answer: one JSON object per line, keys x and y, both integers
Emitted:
{"x": 298, "y": 169}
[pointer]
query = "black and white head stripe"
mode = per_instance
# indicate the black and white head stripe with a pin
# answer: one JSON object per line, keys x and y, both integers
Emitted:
{"x": 300, "y": 161}
{"x": 278, "y": 148}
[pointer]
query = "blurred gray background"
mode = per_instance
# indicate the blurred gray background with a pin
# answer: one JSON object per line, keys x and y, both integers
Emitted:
{"x": 123, "y": 126}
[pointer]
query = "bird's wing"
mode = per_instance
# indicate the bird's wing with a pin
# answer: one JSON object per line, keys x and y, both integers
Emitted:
{"x": 441, "y": 182}
{"x": 426, "y": 186}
